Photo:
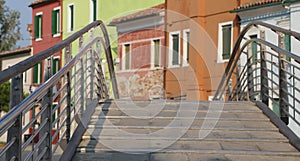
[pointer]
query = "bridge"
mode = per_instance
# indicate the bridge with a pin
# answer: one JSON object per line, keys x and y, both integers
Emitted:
{"x": 87, "y": 123}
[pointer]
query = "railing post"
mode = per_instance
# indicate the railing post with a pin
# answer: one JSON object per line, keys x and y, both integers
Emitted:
{"x": 250, "y": 76}
{"x": 109, "y": 58}
{"x": 68, "y": 121}
{"x": 92, "y": 73}
{"x": 47, "y": 115}
{"x": 283, "y": 95}
{"x": 16, "y": 96}
{"x": 264, "y": 91}
{"x": 82, "y": 85}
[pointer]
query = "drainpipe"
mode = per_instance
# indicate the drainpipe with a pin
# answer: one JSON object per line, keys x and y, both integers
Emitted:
{"x": 166, "y": 49}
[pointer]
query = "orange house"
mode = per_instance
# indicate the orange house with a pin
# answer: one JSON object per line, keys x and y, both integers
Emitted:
{"x": 200, "y": 37}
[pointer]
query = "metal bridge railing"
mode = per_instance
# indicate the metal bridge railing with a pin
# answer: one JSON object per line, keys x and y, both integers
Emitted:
{"x": 269, "y": 74}
{"x": 56, "y": 105}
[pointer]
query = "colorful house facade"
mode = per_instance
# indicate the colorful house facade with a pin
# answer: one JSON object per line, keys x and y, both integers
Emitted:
{"x": 46, "y": 32}
{"x": 141, "y": 41}
{"x": 201, "y": 35}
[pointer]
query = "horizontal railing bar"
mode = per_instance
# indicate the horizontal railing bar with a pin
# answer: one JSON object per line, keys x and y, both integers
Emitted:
{"x": 5, "y": 128}
{"x": 30, "y": 62}
{"x": 40, "y": 156}
{"x": 7, "y": 146}
{"x": 59, "y": 116}
{"x": 63, "y": 134}
{"x": 34, "y": 134}
{"x": 29, "y": 156}
{"x": 29, "y": 107}
{"x": 12, "y": 114}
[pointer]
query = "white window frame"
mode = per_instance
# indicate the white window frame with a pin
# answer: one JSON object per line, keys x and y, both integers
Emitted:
{"x": 92, "y": 10}
{"x": 153, "y": 54}
{"x": 69, "y": 18}
{"x": 171, "y": 49}
{"x": 220, "y": 41}
{"x": 55, "y": 9}
{"x": 185, "y": 47}
{"x": 41, "y": 29}
{"x": 124, "y": 56}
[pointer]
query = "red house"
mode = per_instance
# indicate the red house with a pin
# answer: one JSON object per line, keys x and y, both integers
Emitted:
{"x": 141, "y": 37}
{"x": 46, "y": 32}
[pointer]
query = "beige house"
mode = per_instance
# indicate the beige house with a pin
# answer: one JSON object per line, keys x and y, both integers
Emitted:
{"x": 10, "y": 58}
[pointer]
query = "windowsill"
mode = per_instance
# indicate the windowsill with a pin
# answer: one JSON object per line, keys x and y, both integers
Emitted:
{"x": 56, "y": 35}
{"x": 223, "y": 61}
{"x": 38, "y": 39}
{"x": 70, "y": 32}
{"x": 156, "y": 68}
{"x": 174, "y": 66}
{"x": 185, "y": 65}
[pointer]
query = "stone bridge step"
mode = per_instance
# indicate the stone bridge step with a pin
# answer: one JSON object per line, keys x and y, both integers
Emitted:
{"x": 182, "y": 130}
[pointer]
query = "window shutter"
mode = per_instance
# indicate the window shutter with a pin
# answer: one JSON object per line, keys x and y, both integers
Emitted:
{"x": 94, "y": 10}
{"x": 35, "y": 74}
{"x": 226, "y": 41}
{"x": 72, "y": 18}
{"x": 287, "y": 44}
{"x": 187, "y": 46}
{"x": 254, "y": 48}
{"x": 175, "y": 60}
{"x": 54, "y": 22}
{"x": 40, "y": 73}
{"x": 127, "y": 56}
{"x": 156, "y": 53}
{"x": 36, "y": 27}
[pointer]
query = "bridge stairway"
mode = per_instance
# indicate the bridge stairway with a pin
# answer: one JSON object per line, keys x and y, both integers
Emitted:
{"x": 182, "y": 131}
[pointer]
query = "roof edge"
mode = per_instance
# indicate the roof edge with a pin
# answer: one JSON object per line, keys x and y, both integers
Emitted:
{"x": 256, "y": 7}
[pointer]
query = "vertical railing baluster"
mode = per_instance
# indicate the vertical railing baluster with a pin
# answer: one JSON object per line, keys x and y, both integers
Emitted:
{"x": 16, "y": 96}
{"x": 81, "y": 85}
{"x": 283, "y": 95}
{"x": 68, "y": 119}
{"x": 264, "y": 91}
{"x": 92, "y": 74}
{"x": 47, "y": 115}
{"x": 250, "y": 74}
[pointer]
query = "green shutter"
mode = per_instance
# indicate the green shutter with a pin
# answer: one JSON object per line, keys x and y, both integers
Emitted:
{"x": 287, "y": 44}
{"x": 226, "y": 41}
{"x": 40, "y": 73}
{"x": 56, "y": 66}
{"x": 254, "y": 48}
{"x": 54, "y": 22}
{"x": 35, "y": 74}
{"x": 94, "y": 10}
{"x": 175, "y": 60}
{"x": 36, "y": 26}
{"x": 72, "y": 18}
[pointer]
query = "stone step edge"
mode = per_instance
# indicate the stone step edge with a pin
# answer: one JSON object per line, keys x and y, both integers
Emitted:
{"x": 141, "y": 151}
{"x": 91, "y": 138}
{"x": 183, "y": 127}
{"x": 183, "y": 118}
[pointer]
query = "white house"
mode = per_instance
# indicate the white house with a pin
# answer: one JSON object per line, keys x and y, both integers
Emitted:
{"x": 284, "y": 14}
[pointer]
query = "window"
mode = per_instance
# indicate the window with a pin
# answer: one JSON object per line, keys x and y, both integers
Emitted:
{"x": 56, "y": 65}
{"x": 56, "y": 22}
{"x": 174, "y": 52}
{"x": 155, "y": 53}
{"x": 225, "y": 41}
{"x": 38, "y": 26}
{"x": 126, "y": 57}
{"x": 37, "y": 73}
{"x": 93, "y": 13}
{"x": 287, "y": 45}
{"x": 186, "y": 47}
{"x": 71, "y": 18}
{"x": 254, "y": 48}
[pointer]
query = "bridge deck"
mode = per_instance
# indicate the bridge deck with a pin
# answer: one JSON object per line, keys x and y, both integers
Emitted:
{"x": 162, "y": 131}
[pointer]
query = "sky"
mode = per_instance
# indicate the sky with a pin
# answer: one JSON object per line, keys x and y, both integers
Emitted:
{"x": 22, "y": 7}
